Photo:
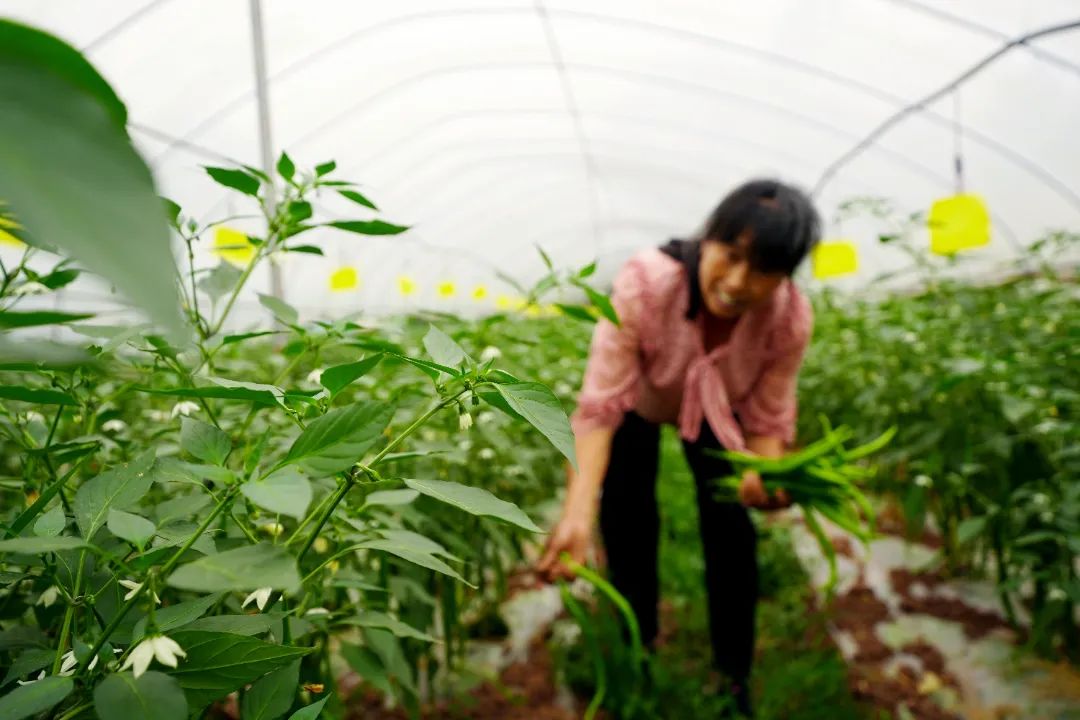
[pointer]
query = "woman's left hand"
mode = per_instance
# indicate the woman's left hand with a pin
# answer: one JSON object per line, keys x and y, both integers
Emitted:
{"x": 753, "y": 494}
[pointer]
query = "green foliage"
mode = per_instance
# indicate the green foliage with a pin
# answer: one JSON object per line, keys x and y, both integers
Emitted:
{"x": 979, "y": 383}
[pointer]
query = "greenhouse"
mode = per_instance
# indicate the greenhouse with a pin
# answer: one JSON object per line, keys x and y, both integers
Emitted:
{"x": 539, "y": 360}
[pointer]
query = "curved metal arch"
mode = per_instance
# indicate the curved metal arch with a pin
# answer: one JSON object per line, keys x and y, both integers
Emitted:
{"x": 987, "y": 31}
{"x": 996, "y": 146}
{"x": 123, "y": 25}
{"x": 302, "y": 62}
{"x": 919, "y": 105}
{"x": 481, "y": 192}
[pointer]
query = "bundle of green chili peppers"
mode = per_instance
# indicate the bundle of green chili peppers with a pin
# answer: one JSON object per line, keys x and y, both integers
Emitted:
{"x": 822, "y": 478}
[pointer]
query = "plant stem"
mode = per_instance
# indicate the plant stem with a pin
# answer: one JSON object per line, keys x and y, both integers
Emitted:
{"x": 163, "y": 572}
{"x": 76, "y": 711}
{"x": 350, "y": 479}
{"x": 236, "y": 293}
{"x": 69, "y": 615}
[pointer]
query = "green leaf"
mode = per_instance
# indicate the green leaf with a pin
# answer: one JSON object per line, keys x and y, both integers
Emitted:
{"x": 339, "y": 439}
{"x": 180, "y": 507}
{"x": 59, "y": 278}
{"x": 284, "y": 492}
{"x": 970, "y": 529}
{"x": 587, "y": 271}
{"x": 25, "y": 45}
{"x": 283, "y": 311}
{"x": 390, "y": 498}
{"x": 338, "y": 377}
{"x": 539, "y": 406}
{"x": 547, "y": 260}
{"x": 244, "y": 569}
{"x": 238, "y": 624}
{"x": 250, "y": 392}
{"x": 71, "y": 175}
{"x": 601, "y": 302}
{"x": 475, "y": 501}
{"x": 204, "y": 441}
{"x": 285, "y": 167}
{"x": 357, "y": 198}
{"x": 235, "y": 179}
{"x": 153, "y": 696}
{"x": 220, "y": 663}
{"x": 118, "y": 488}
{"x": 305, "y": 249}
{"x": 324, "y": 168}
{"x": 388, "y": 648}
{"x": 272, "y": 695}
{"x": 230, "y": 339}
{"x": 51, "y": 523}
{"x": 176, "y": 616}
{"x": 374, "y": 619}
{"x": 368, "y": 666}
{"x": 409, "y": 552}
{"x": 9, "y": 320}
{"x": 310, "y": 712}
{"x": 38, "y": 545}
{"x": 300, "y": 210}
{"x": 172, "y": 211}
{"x": 136, "y": 530}
{"x": 37, "y": 697}
{"x": 369, "y": 227}
{"x": 220, "y": 280}
{"x": 577, "y": 312}
{"x": 178, "y": 534}
{"x": 442, "y": 348}
{"x": 29, "y": 661}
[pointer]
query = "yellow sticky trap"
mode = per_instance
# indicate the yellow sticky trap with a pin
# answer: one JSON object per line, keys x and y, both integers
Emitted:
{"x": 344, "y": 279}
{"x": 532, "y": 311}
{"x": 233, "y": 246}
{"x": 446, "y": 289}
{"x": 835, "y": 258}
{"x": 406, "y": 285}
{"x": 8, "y": 223}
{"x": 479, "y": 293}
{"x": 957, "y": 223}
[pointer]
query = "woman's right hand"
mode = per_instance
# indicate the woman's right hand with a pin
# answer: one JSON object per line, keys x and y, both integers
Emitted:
{"x": 573, "y": 535}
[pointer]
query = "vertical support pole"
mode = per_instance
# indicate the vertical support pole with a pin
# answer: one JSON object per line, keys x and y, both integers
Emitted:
{"x": 266, "y": 144}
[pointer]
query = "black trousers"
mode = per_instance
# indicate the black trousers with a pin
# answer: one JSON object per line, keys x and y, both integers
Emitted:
{"x": 630, "y": 526}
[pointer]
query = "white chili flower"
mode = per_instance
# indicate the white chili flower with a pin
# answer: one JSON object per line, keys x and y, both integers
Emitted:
{"x": 490, "y": 353}
{"x": 114, "y": 425}
{"x": 1056, "y": 594}
{"x": 34, "y": 416}
{"x": 563, "y": 388}
{"x": 260, "y": 597}
{"x": 49, "y": 596}
{"x": 41, "y": 676}
{"x": 464, "y": 421}
{"x": 924, "y": 481}
{"x": 164, "y": 649}
{"x": 69, "y": 662}
{"x": 315, "y": 376}
{"x": 185, "y": 408}
{"x": 487, "y": 454}
{"x": 317, "y": 611}
{"x": 485, "y": 417}
{"x": 158, "y": 416}
{"x": 1047, "y": 516}
{"x": 134, "y": 587}
{"x": 321, "y": 545}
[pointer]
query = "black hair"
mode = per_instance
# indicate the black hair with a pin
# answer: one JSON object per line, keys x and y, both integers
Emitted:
{"x": 781, "y": 220}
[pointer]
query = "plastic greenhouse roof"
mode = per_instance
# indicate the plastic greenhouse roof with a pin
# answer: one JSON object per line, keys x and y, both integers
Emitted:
{"x": 590, "y": 127}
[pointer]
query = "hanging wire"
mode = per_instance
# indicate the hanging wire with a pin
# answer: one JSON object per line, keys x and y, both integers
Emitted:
{"x": 894, "y": 119}
{"x": 958, "y": 140}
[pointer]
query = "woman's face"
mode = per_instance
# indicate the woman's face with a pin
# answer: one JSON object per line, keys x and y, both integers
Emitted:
{"x": 729, "y": 287}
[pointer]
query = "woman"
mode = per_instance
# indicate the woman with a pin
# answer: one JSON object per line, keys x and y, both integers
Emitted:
{"x": 712, "y": 333}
